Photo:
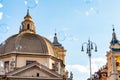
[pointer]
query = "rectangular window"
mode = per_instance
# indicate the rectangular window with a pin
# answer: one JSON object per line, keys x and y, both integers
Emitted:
{"x": 55, "y": 66}
{"x": 29, "y": 62}
{"x": 37, "y": 74}
{"x": 6, "y": 64}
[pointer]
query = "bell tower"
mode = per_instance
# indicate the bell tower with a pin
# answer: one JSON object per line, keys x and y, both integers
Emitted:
{"x": 61, "y": 52}
{"x": 27, "y": 24}
{"x": 113, "y": 58}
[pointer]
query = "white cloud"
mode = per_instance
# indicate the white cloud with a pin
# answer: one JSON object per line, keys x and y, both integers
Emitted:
{"x": 78, "y": 67}
{"x": 1, "y": 14}
{"x": 100, "y": 60}
{"x": 1, "y": 5}
{"x": 96, "y": 64}
{"x": 83, "y": 70}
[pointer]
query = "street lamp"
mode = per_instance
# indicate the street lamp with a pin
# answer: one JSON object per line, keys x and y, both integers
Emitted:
{"x": 90, "y": 46}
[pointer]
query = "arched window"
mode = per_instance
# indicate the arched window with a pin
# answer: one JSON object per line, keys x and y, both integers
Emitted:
{"x": 28, "y": 26}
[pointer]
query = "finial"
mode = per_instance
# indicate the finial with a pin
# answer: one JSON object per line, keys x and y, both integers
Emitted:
{"x": 114, "y": 38}
{"x": 113, "y": 27}
{"x": 28, "y": 11}
{"x": 55, "y": 33}
{"x": 28, "y": 15}
{"x": 89, "y": 40}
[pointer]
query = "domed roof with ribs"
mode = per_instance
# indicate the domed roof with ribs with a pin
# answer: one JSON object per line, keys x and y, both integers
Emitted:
{"x": 26, "y": 42}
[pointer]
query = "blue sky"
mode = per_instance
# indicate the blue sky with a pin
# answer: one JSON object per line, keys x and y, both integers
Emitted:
{"x": 75, "y": 21}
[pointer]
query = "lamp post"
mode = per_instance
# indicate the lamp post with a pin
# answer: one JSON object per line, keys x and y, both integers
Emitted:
{"x": 89, "y": 49}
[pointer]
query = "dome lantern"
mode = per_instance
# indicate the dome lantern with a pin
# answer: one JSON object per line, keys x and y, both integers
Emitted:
{"x": 28, "y": 24}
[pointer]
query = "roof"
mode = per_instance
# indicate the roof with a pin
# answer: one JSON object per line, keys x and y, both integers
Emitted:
{"x": 48, "y": 73}
{"x": 26, "y": 42}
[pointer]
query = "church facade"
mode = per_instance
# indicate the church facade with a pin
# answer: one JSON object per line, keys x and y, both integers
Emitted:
{"x": 29, "y": 56}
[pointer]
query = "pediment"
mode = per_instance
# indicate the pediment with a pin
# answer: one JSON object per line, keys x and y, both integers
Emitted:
{"x": 34, "y": 70}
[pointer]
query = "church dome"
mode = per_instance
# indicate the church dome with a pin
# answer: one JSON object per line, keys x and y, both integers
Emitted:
{"x": 27, "y": 40}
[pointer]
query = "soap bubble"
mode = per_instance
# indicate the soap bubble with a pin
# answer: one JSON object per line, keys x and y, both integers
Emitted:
{"x": 88, "y": 1}
{"x": 1, "y": 15}
{"x": 61, "y": 35}
{"x": 91, "y": 11}
{"x": 70, "y": 37}
{"x": 1, "y": 64}
{"x": 18, "y": 47}
{"x": 2, "y": 71}
{"x": 4, "y": 28}
{"x": 2, "y": 44}
{"x": 1, "y": 1}
{"x": 31, "y": 3}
